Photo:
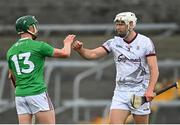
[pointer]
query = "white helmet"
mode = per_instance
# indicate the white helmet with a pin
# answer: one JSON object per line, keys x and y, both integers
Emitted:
{"x": 127, "y": 17}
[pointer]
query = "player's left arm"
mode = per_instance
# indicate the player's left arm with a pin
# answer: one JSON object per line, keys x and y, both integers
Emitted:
{"x": 12, "y": 78}
{"x": 154, "y": 74}
{"x": 66, "y": 50}
{"x": 47, "y": 50}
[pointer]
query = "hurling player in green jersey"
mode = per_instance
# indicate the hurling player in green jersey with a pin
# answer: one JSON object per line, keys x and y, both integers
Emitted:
{"x": 26, "y": 60}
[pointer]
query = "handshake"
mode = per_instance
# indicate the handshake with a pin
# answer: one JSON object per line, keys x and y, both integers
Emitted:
{"x": 76, "y": 45}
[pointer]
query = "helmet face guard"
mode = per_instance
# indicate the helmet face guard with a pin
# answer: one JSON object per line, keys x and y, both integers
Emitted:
{"x": 23, "y": 23}
{"x": 126, "y": 17}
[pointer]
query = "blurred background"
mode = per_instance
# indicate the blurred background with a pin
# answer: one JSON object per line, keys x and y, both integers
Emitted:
{"x": 81, "y": 90}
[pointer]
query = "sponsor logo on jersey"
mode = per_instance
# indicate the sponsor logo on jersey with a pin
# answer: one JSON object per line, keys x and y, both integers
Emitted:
{"x": 122, "y": 58}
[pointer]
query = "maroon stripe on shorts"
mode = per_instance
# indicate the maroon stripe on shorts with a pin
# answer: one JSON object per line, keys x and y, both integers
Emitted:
{"x": 49, "y": 102}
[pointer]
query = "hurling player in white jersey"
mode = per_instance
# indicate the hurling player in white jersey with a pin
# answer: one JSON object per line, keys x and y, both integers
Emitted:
{"x": 136, "y": 66}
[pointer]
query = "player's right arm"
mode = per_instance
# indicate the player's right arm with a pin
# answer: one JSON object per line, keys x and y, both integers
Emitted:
{"x": 66, "y": 50}
{"x": 89, "y": 54}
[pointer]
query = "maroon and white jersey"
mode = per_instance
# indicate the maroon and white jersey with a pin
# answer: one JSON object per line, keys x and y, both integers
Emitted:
{"x": 132, "y": 72}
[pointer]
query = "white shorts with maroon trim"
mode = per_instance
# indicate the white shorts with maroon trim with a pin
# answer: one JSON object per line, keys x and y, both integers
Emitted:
{"x": 33, "y": 104}
{"x": 122, "y": 100}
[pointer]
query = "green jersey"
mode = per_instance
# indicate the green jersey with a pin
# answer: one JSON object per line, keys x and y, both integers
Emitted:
{"x": 26, "y": 59}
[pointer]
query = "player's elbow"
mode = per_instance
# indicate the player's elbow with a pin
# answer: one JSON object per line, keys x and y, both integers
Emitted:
{"x": 65, "y": 53}
{"x": 62, "y": 53}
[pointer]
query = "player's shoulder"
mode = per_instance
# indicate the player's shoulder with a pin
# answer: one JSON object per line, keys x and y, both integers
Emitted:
{"x": 38, "y": 43}
{"x": 143, "y": 37}
{"x": 9, "y": 51}
{"x": 11, "y": 48}
{"x": 144, "y": 40}
{"x": 110, "y": 40}
{"x": 117, "y": 38}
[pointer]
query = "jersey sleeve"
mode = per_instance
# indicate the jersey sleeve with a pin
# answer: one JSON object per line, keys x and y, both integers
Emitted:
{"x": 46, "y": 49}
{"x": 9, "y": 64}
{"x": 150, "y": 49}
{"x": 107, "y": 46}
{"x": 8, "y": 61}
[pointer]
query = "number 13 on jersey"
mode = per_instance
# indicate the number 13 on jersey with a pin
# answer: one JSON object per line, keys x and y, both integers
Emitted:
{"x": 25, "y": 57}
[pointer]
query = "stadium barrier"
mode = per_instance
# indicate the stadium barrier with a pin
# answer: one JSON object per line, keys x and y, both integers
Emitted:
{"x": 47, "y": 29}
{"x": 94, "y": 67}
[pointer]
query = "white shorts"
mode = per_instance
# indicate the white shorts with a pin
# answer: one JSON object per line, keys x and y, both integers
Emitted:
{"x": 123, "y": 101}
{"x": 33, "y": 104}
